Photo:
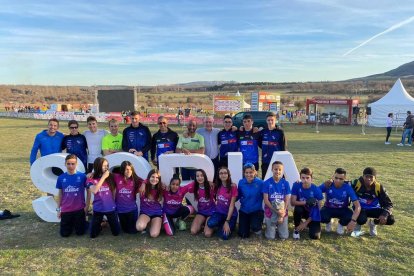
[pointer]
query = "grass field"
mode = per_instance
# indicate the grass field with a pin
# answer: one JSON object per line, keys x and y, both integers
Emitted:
{"x": 31, "y": 246}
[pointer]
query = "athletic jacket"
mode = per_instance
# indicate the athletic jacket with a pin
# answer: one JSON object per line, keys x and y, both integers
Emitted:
{"x": 227, "y": 139}
{"x": 138, "y": 138}
{"x": 163, "y": 142}
{"x": 271, "y": 141}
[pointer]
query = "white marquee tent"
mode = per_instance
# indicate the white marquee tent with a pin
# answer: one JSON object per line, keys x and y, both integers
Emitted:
{"x": 396, "y": 101}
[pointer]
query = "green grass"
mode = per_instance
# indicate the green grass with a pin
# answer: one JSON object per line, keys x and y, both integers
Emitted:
{"x": 31, "y": 246}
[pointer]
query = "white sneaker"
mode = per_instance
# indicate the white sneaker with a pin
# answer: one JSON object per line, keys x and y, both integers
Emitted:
{"x": 340, "y": 229}
{"x": 328, "y": 227}
{"x": 400, "y": 145}
{"x": 372, "y": 228}
{"x": 296, "y": 235}
{"x": 388, "y": 143}
{"x": 408, "y": 145}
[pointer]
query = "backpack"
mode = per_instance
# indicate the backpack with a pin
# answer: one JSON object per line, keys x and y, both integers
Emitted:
{"x": 358, "y": 184}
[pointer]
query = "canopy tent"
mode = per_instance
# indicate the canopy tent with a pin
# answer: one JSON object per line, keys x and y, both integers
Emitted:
{"x": 396, "y": 101}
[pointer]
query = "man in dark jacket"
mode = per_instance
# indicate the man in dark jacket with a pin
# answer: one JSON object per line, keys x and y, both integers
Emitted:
{"x": 164, "y": 141}
{"x": 136, "y": 138}
{"x": 374, "y": 200}
{"x": 408, "y": 127}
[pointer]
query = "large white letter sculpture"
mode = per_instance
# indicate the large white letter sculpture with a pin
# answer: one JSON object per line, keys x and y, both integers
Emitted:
{"x": 45, "y": 180}
{"x": 291, "y": 171}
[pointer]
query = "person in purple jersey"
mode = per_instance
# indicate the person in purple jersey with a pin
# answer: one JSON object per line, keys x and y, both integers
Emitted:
{"x": 151, "y": 210}
{"x": 102, "y": 185}
{"x": 375, "y": 201}
{"x": 306, "y": 199}
{"x": 224, "y": 217}
{"x": 338, "y": 195}
{"x": 276, "y": 195}
{"x": 250, "y": 196}
{"x": 71, "y": 199}
{"x": 173, "y": 205}
{"x": 204, "y": 196}
{"x": 127, "y": 184}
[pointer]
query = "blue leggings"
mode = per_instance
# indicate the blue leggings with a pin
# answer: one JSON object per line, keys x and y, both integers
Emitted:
{"x": 217, "y": 220}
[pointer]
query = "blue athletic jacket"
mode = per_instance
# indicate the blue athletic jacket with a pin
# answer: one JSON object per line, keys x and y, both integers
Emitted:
{"x": 46, "y": 144}
{"x": 271, "y": 141}
{"x": 138, "y": 138}
{"x": 227, "y": 139}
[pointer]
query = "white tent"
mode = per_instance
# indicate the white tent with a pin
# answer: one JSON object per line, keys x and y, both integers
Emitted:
{"x": 396, "y": 101}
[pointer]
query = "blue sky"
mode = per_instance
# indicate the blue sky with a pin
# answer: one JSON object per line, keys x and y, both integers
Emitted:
{"x": 164, "y": 42}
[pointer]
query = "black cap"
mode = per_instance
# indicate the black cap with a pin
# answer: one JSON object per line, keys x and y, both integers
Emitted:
{"x": 369, "y": 171}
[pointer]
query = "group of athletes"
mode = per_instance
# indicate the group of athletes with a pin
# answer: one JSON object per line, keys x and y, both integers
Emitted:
{"x": 163, "y": 204}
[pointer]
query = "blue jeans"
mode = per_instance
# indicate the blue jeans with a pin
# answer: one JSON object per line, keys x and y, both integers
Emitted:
{"x": 217, "y": 220}
{"x": 407, "y": 132}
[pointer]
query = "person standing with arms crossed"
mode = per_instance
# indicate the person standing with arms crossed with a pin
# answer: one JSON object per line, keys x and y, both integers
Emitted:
{"x": 136, "y": 138}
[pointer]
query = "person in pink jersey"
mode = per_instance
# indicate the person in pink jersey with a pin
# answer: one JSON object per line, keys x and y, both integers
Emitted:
{"x": 173, "y": 205}
{"x": 102, "y": 185}
{"x": 224, "y": 217}
{"x": 127, "y": 184}
{"x": 71, "y": 199}
{"x": 150, "y": 204}
{"x": 204, "y": 194}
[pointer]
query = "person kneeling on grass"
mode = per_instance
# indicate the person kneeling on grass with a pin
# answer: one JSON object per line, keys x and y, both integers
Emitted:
{"x": 127, "y": 186}
{"x": 338, "y": 195}
{"x": 374, "y": 200}
{"x": 173, "y": 205}
{"x": 204, "y": 196}
{"x": 251, "y": 202}
{"x": 150, "y": 204}
{"x": 71, "y": 199}
{"x": 224, "y": 217}
{"x": 276, "y": 194}
{"x": 306, "y": 199}
{"x": 102, "y": 185}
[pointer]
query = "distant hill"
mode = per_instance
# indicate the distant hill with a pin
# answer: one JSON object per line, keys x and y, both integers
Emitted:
{"x": 206, "y": 83}
{"x": 404, "y": 71}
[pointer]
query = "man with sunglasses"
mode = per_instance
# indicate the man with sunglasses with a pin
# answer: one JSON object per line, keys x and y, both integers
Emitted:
{"x": 338, "y": 194}
{"x": 75, "y": 143}
{"x": 375, "y": 202}
{"x": 164, "y": 141}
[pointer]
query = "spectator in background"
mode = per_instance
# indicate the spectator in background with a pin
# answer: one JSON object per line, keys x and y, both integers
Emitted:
{"x": 94, "y": 138}
{"x": 389, "y": 127}
{"x": 112, "y": 142}
{"x": 408, "y": 127}
{"x": 75, "y": 143}
{"x": 136, "y": 138}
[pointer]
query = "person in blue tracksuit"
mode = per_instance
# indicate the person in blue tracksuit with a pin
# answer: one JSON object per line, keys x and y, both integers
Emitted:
{"x": 227, "y": 140}
{"x": 272, "y": 139}
{"x": 75, "y": 143}
{"x": 249, "y": 142}
{"x": 136, "y": 138}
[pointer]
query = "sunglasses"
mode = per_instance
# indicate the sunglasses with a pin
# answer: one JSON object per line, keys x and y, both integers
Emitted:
{"x": 162, "y": 123}
{"x": 74, "y": 127}
{"x": 227, "y": 122}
